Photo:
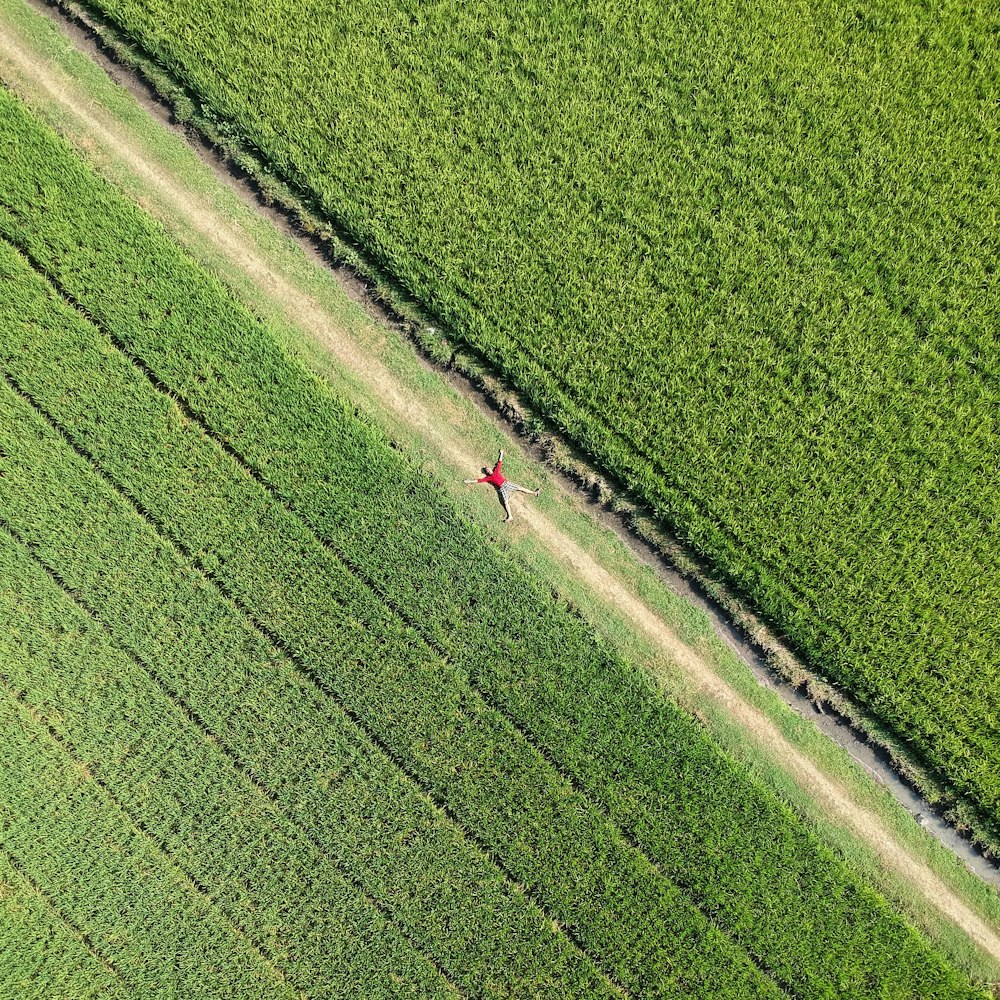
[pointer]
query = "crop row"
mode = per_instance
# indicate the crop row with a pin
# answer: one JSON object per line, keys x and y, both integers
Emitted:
{"x": 650, "y": 767}
{"x": 468, "y": 756}
{"x": 40, "y": 952}
{"x": 717, "y": 250}
{"x": 201, "y": 810}
{"x": 109, "y": 880}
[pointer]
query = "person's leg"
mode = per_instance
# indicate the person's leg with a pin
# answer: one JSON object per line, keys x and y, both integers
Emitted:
{"x": 523, "y": 489}
{"x": 506, "y": 507}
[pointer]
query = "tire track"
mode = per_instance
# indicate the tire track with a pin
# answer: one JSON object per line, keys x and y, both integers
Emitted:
{"x": 50, "y": 905}
{"x": 196, "y": 887}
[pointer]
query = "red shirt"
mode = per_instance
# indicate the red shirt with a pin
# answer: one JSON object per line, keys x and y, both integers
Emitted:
{"x": 494, "y": 478}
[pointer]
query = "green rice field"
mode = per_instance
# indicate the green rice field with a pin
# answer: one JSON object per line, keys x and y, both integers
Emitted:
{"x": 275, "y": 728}
{"x": 745, "y": 257}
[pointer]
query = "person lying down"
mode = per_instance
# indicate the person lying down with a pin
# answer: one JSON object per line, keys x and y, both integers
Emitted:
{"x": 503, "y": 486}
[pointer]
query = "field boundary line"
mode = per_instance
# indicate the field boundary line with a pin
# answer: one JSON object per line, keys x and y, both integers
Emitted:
{"x": 201, "y": 891}
{"x": 836, "y": 802}
{"x": 193, "y": 718}
{"x": 50, "y": 905}
{"x": 192, "y": 416}
{"x": 281, "y": 647}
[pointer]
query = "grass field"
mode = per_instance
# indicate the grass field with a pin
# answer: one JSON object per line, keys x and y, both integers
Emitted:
{"x": 318, "y": 762}
{"x": 744, "y": 258}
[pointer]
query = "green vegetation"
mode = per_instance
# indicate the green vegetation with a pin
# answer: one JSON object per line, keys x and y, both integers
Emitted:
{"x": 742, "y": 256}
{"x": 252, "y": 622}
{"x": 37, "y": 945}
{"x": 459, "y": 750}
{"x": 106, "y": 876}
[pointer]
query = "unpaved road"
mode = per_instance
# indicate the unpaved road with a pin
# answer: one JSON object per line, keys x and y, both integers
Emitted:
{"x": 29, "y": 75}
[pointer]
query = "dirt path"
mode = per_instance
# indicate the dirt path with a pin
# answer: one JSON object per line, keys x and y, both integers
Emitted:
{"x": 18, "y": 68}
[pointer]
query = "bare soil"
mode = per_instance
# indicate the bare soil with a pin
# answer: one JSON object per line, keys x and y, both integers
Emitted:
{"x": 22, "y": 71}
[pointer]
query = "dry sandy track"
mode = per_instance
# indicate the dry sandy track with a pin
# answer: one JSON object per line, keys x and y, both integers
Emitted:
{"x": 32, "y": 76}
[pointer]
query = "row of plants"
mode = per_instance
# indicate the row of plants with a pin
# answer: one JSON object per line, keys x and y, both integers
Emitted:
{"x": 38, "y": 946}
{"x": 418, "y": 585}
{"x": 743, "y": 259}
{"x": 150, "y": 926}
